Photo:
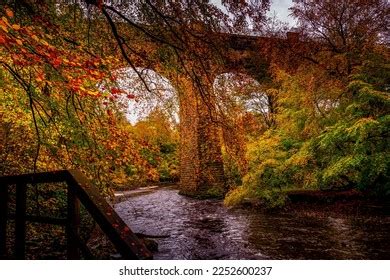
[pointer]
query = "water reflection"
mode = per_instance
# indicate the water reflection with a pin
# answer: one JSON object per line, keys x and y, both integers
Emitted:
{"x": 206, "y": 230}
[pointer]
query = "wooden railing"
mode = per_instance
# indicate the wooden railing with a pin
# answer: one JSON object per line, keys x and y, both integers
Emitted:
{"x": 79, "y": 190}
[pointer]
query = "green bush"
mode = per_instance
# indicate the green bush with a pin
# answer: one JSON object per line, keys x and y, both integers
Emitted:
{"x": 346, "y": 147}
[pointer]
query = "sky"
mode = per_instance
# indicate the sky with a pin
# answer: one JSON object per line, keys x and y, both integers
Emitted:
{"x": 280, "y": 8}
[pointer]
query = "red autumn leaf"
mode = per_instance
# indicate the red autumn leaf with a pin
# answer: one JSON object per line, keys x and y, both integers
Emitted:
{"x": 57, "y": 62}
{"x": 116, "y": 91}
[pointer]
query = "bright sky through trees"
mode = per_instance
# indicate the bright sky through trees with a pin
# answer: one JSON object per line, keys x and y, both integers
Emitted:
{"x": 280, "y": 9}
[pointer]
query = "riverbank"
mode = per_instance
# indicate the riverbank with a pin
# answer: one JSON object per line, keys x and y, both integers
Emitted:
{"x": 324, "y": 203}
{"x": 124, "y": 194}
{"x": 350, "y": 202}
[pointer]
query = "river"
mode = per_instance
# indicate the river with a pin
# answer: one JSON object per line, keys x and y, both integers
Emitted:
{"x": 205, "y": 229}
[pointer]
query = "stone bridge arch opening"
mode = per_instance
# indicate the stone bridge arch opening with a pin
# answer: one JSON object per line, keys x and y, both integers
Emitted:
{"x": 244, "y": 109}
{"x": 240, "y": 93}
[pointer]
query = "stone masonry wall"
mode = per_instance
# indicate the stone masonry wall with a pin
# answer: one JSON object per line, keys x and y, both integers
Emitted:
{"x": 201, "y": 165}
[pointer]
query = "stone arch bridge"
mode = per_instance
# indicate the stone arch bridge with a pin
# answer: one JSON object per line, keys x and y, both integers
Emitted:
{"x": 201, "y": 165}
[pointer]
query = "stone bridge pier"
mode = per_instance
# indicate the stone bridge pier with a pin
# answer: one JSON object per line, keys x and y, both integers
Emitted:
{"x": 201, "y": 165}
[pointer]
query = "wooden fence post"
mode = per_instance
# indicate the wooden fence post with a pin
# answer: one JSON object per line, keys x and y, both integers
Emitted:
{"x": 3, "y": 220}
{"x": 72, "y": 225}
{"x": 20, "y": 221}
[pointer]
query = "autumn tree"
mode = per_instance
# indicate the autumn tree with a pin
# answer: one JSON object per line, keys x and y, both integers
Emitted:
{"x": 58, "y": 92}
{"x": 347, "y": 30}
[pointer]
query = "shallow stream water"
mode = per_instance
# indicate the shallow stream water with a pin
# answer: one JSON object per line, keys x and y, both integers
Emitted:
{"x": 205, "y": 229}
